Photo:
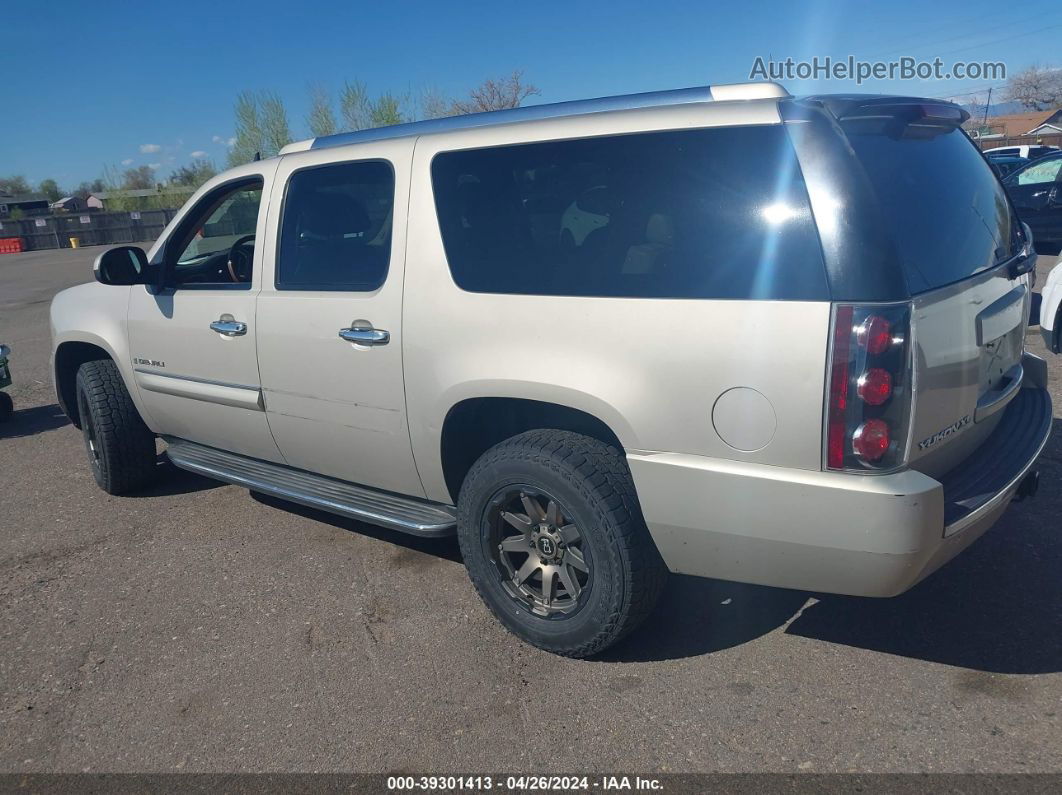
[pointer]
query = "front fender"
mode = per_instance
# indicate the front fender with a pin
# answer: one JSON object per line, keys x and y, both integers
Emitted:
{"x": 93, "y": 314}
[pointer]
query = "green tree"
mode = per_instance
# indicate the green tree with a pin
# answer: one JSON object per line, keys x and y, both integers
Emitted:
{"x": 321, "y": 119}
{"x": 261, "y": 127}
{"x": 194, "y": 174}
{"x": 248, "y": 130}
{"x": 276, "y": 133}
{"x": 138, "y": 178}
{"x": 14, "y": 185}
{"x": 355, "y": 106}
{"x": 432, "y": 104}
{"x": 50, "y": 188}
{"x": 385, "y": 111}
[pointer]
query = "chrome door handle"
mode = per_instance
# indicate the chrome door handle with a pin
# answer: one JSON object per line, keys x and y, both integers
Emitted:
{"x": 362, "y": 333}
{"x": 229, "y": 328}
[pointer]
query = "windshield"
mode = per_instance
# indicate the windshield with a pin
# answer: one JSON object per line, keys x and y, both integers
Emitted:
{"x": 947, "y": 212}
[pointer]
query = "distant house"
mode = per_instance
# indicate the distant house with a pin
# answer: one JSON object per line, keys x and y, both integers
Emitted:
{"x": 68, "y": 204}
{"x": 26, "y": 204}
{"x": 1024, "y": 125}
{"x": 139, "y": 199}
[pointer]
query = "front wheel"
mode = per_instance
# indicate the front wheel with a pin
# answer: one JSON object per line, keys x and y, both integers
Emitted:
{"x": 121, "y": 448}
{"x": 555, "y": 543}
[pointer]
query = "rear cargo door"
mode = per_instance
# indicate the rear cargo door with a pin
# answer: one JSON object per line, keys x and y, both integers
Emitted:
{"x": 961, "y": 248}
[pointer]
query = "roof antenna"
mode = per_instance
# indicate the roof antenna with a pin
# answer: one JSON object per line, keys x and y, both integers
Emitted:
{"x": 257, "y": 156}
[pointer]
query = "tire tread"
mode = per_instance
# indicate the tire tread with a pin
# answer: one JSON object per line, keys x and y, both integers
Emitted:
{"x": 127, "y": 445}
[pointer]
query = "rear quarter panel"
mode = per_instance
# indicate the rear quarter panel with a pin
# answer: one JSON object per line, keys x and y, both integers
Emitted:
{"x": 651, "y": 369}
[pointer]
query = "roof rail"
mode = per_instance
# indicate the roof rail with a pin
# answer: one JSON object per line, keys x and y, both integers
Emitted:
{"x": 679, "y": 96}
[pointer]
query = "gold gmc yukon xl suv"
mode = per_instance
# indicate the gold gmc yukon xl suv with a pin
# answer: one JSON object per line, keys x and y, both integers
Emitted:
{"x": 718, "y": 331}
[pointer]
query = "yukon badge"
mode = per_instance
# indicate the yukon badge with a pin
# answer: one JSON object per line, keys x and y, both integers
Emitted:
{"x": 945, "y": 433}
{"x": 149, "y": 362}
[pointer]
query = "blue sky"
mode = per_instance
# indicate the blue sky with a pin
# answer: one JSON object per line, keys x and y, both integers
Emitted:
{"x": 94, "y": 84}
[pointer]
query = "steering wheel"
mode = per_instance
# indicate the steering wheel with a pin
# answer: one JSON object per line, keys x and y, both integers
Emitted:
{"x": 239, "y": 260}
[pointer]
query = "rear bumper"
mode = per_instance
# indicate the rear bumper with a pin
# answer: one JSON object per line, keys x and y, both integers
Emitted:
{"x": 831, "y": 532}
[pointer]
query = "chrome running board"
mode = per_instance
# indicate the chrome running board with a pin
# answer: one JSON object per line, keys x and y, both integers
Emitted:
{"x": 393, "y": 511}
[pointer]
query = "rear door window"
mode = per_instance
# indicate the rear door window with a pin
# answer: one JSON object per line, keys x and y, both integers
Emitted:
{"x": 708, "y": 213}
{"x": 336, "y": 228}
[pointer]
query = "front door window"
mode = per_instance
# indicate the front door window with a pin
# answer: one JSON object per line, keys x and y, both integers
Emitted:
{"x": 216, "y": 246}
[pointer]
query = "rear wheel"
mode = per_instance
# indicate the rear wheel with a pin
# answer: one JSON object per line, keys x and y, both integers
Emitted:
{"x": 555, "y": 543}
{"x": 121, "y": 448}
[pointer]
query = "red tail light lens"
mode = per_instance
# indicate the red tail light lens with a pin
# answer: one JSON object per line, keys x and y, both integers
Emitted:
{"x": 875, "y": 334}
{"x": 868, "y": 388}
{"x": 839, "y": 387}
{"x": 874, "y": 386}
{"x": 871, "y": 440}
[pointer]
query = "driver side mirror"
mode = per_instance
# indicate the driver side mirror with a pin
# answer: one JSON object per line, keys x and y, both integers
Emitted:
{"x": 121, "y": 266}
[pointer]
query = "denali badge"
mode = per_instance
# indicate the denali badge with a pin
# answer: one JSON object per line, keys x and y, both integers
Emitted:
{"x": 936, "y": 437}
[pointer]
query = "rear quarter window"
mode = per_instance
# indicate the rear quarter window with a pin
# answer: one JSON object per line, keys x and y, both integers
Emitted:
{"x": 707, "y": 213}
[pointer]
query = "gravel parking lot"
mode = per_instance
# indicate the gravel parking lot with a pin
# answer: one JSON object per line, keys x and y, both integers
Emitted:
{"x": 198, "y": 627}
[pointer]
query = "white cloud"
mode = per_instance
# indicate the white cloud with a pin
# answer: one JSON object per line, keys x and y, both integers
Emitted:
{"x": 149, "y": 149}
{"x": 127, "y": 162}
{"x": 230, "y": 142}
{"x": 154, "y": 166}
{"x": 198, "y": 153}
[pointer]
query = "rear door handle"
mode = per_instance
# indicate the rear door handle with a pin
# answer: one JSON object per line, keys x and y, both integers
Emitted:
{"x": 363, "y": 333}
{"x": 227, "y": 327}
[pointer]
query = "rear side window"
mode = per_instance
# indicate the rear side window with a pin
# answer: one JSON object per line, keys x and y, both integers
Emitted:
{"x": 709, "y": 213}
{"x": 336, "y": 228}
{"x": 941, "y": 202}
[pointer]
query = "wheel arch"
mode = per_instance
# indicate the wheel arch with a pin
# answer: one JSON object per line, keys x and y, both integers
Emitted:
{"x": 69, "y": 356}
{"x": 474, "y": 425}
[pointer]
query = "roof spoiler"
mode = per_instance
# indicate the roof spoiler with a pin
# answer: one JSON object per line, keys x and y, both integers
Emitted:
{"x": 909, "y": 110}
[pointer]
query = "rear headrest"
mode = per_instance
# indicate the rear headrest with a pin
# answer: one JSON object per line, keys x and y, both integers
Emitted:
{"x": 660, "y": 229}
{"x": 333, "y": 215}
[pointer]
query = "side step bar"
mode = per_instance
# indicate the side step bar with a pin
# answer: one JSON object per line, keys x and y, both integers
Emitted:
{"x": 393, "y": 511}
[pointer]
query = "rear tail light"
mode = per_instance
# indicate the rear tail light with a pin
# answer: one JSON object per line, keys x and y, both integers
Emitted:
{"x": 868, "y": 400}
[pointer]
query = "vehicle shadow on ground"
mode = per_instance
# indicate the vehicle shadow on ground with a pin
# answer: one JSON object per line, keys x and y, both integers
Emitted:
{"x": 445, "y": 548}
{"x": 30, "y": 422}
{"x": 170, "y": 481}
{"x": 696, "y": 616}
{"x": 997, "y": 607}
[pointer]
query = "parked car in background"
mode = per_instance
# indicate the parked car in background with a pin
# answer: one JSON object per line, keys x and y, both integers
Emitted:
{"x": 1005, "y": 164}
{"x": 1051, "y": 309}
{"x": 1031, "y": 152}
{"x": 720, "y": 331}
{"x": 1036, "y": 192}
